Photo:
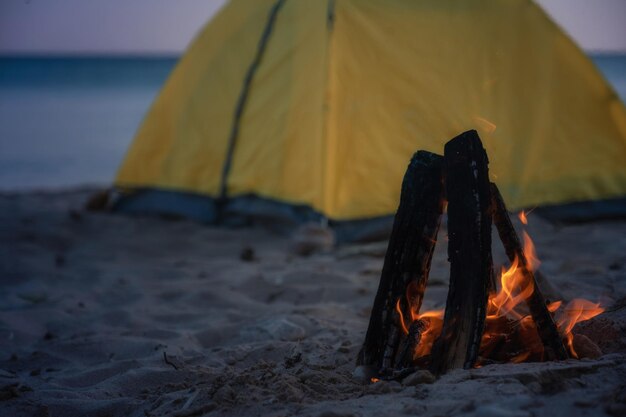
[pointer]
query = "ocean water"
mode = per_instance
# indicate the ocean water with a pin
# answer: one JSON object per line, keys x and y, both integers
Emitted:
{"x": 68, "y": 121}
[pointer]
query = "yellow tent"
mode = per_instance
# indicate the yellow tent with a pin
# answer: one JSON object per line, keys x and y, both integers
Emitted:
{"x": 320, "y": 104}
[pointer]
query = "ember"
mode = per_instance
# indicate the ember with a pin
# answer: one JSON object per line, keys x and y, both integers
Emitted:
{"x": 484, "y": 321}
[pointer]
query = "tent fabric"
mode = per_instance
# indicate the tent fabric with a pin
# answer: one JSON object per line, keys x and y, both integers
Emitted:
{"x": 346, "y": 90}
{"x": 248, "y": 210}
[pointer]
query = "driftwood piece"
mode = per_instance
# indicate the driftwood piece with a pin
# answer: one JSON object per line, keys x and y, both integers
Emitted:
{"x": 536, "y": 302}
{"x": 469, "y": 252}
{"x": 407, "y": 260}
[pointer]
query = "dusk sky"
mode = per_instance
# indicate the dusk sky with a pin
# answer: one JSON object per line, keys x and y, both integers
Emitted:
{"x": 167, "y": 26}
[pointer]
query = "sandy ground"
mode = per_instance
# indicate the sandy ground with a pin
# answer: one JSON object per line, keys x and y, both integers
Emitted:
{"x": 104, "y": 315}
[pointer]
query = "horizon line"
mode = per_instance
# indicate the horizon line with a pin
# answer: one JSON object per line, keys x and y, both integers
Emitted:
{"x": 164, "y": 54}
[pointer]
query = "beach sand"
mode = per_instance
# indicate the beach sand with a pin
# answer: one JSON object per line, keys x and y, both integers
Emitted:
{"x": 107, "y": 315}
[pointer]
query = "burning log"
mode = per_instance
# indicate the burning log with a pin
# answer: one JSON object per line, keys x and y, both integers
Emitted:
{"x": 469, "y": 253}
{"x": 508, "y": 340}
{"x": 407, "y": 262}
{"x": 536, "y": 302}
{"x": 550, "y": 293}
{"x": 410, "y": 343}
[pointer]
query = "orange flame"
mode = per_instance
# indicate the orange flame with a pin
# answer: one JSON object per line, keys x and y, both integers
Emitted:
{"x": 403, "y": 325}
{"x": 507, "y": 308}
{"x": 530, "y": 253}
{"x": 434, "y": 322}
{"x": 574, "y": 312}
{"x": 522, "y": 217}
{"x": 552, "y": 307}
{"x": 514, "y": 289}
{"x": 432, "y": 319}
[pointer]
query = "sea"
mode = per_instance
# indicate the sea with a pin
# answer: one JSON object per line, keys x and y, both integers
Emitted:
{"x": 67, "y": 121}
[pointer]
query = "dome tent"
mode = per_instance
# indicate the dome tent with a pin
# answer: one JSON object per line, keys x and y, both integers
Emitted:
{"x": 314, "y": 108}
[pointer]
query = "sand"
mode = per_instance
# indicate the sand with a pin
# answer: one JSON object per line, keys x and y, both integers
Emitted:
{"x": 106, "y": 315}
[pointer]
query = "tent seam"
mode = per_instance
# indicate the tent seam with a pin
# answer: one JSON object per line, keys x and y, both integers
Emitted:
{"x": 243, "y": 96}
{"x": 325, "y": 199}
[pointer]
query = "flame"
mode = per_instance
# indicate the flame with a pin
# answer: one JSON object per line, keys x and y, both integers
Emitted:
{"x": 514, "y": 289}
{"x": 506, "y": 310}
{"x": 403, "y": 325}
{"x": 374, "y": 380}
{"x": 508, "y": 305}
{"x": 432, "y": 319}
{"x": 552, "y": 307}
{"x": 574, "y": 312}
{"x": 434, "y": 322}
{"x": 530, "y": 253}
{"x": 522, "y": 217}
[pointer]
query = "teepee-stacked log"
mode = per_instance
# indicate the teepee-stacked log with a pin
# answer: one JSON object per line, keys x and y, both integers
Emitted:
{"x": 407, "y": 260}
{"x": 469, "y": 252}
{"x": 548, "y": 332}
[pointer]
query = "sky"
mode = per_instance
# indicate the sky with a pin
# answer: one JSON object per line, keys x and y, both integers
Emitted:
{"x": 165, "y": 27}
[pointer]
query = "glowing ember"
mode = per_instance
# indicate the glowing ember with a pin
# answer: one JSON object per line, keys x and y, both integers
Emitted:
{"x": 506, "y": 310}
{"x": 374, "y": 380}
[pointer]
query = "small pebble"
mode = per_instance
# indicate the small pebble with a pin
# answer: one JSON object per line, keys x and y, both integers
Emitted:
{"x": 419, "y": 377}
{"x": 247, "y": 254}
{"x": 585, "y": 348}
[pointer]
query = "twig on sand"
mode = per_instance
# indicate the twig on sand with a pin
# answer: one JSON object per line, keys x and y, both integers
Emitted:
{"x": 190, "y": 400}
{"x": 167, "y": 361}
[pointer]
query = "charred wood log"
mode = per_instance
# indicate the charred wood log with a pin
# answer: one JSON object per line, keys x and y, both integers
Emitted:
{"x": 491, "y": 285}
{"x": 549, "y": 292}
{"x": 404, "y": 357}
{"x": 393, "y": 340}
{"x": 536, "y": 302}
{"x": 407, "y": 260}
{"x": 469, "y": 252}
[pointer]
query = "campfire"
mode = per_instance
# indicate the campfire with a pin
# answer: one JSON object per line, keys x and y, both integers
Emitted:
{"x": 489, "y": 317}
